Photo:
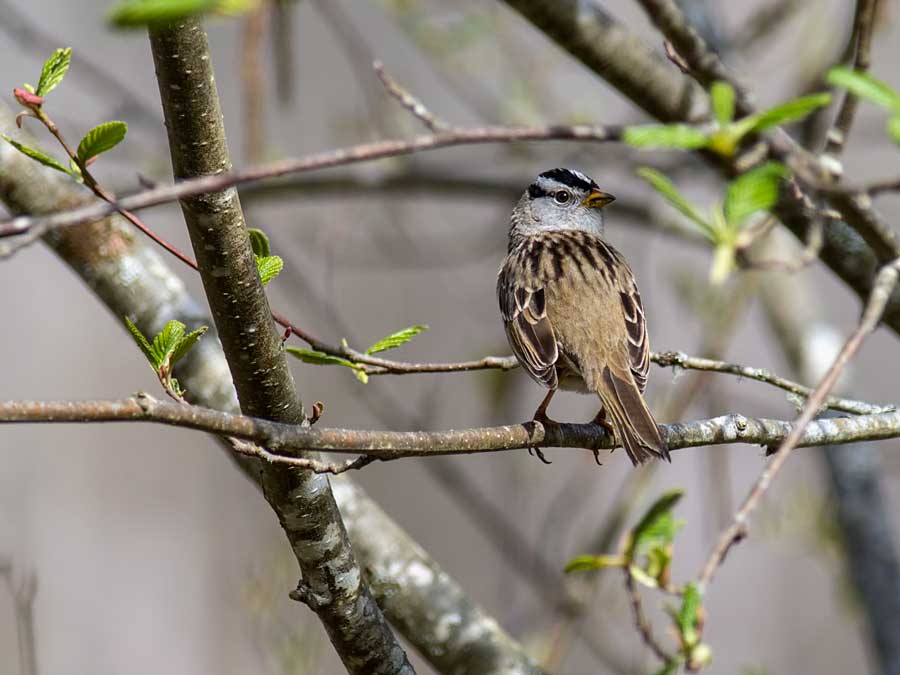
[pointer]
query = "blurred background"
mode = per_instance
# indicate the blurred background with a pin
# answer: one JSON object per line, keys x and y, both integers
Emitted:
{"x": 148, "y": 550}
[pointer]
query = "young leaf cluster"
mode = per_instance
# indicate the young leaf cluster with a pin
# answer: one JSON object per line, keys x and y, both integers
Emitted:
{"x": 751, "y": 192}
{"x": 155, "y": 13}
{"x": 863, "y": 85}
{"x": 269, "y": 266}
{"x": 168, "y": 347}
{"x": 391, "y": 341}
{"x": 727, "y": 133}
{"x": 646, "y": 555}
{"x": 98, "y": 140}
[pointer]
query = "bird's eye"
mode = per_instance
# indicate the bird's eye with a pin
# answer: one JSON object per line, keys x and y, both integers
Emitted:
{"x": 562, "y": 197}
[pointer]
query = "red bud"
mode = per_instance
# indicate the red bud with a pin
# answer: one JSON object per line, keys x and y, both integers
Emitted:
{"x": 27, "y": 99}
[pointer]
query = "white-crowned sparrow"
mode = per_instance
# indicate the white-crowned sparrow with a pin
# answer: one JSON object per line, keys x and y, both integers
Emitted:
{"x": 571, "y": 309}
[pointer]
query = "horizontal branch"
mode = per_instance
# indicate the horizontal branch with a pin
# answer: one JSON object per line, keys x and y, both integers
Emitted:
{"x": 374, "y": 365}
{"x": 365, "y": 152}
{"x": 289, "y": 439}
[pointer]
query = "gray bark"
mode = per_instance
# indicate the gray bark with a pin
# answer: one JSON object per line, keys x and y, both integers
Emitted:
{"x": 332, "y": 583}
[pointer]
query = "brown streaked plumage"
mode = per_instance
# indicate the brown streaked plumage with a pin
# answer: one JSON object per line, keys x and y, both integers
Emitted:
{"x": 572, "y": 311}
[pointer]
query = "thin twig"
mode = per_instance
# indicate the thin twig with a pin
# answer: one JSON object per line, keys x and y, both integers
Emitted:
{"x": 691, "y": 53}
{"x": 641, "y": 622}
{"x": 364, "y": 152}
{"x": 863, "y": 27}
{"x": 416, "y": 108}
{"x": 881, "y": 292}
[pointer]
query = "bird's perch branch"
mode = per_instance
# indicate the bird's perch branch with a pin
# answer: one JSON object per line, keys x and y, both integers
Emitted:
{"x": 288, "y": 439}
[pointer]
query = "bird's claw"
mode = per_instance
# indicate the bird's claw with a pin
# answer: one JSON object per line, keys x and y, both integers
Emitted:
{"x": 535, "y": 451}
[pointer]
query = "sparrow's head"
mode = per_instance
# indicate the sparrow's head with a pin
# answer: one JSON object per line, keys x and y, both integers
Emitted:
{"x": 560, "y": 199}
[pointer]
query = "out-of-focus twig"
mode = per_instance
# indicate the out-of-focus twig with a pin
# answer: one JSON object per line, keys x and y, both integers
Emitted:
{"x": 881, "y": 292}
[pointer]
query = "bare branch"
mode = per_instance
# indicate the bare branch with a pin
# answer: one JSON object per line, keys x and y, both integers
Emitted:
{"x": 39, "y": 225}
{"x": 681, "y": 360}
{"x": 884, "y": 285}
{"x": 288, "y": 439}
{"x": 338, "y": 591}
{"x": 416, "y": 108}
{"x": 863, "y": 27}
{"x": 702, "y": 63}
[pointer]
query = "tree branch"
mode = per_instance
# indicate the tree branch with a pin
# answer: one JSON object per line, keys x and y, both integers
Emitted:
{"x": 332, "y": 579}
{"x": 884, "y": 286}
{"x": 128, "y": 275}
{"x": 30, "y": 228}
{"x": 863, "y": 28}
{"x": 290, "y": 439}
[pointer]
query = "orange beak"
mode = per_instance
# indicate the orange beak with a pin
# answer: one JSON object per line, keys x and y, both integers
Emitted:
{"x": 597, "y": 199}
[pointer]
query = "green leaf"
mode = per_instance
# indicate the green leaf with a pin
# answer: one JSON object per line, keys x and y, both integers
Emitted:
{"x": 185, "y": 344}
{"x": 54, "y": 71}
{"x": 167, "y": 340}
{"x": 259, "y": 242}
{"x": 722, "y": 95}
{"x": 323, "y": 359}
{"x": 143, "y": 13}
{"x": 396, "y": 339}
{"x": 665, "y": 187}
{"x": 46, "y": 160}
{"x": 665, "y": 136}
{"x": 864, "y": 86}
{"x": 893, "y": 128}
{"x": 670, "y": 668}
{"x": 585, "y": 563}
{"x": 269, "y": 267}
{"x": 657, "y": 526}
{"x": 141, "y": 342}
{"x": 101, "y": 138}
{"x": 791, "y": 111}
{"x": 755, "y": 190}
{"x": 688, "y": 616}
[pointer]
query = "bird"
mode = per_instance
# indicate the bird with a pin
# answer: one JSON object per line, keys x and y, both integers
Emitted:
{"x": 572, "y": 311}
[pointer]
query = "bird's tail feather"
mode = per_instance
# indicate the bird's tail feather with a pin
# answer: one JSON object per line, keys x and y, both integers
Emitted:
{"x": 632, "y": 419}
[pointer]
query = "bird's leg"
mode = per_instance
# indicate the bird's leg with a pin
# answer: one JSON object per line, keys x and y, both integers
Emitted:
{"x": 540, "y": 415}
{"x": 600, "y": 418}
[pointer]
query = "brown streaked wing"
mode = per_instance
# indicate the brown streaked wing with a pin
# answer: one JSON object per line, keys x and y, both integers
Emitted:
{"x": 528, "y": 329}
{"x": 635, "y": 325}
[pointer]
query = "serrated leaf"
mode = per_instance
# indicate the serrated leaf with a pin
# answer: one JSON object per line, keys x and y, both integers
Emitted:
{"x": 665, "y": 187}
{"x": 185, "y": 344}
{"x": 37, "y": 155}
{"x": 681, "y": 136}
{"x": 141, "y": 342}
{"x": 54, "y": 70}
{"x": 269, "y": 267}
{"x": 791, "y": 111}
{"x": 101, "y": 138}
{"x": 259, "y": 242}
{"x": 396, "y": 339}
{"x": 585, "y": 563}
{"x": 722, "y": 95}
{"x": 893, "y": 128}
{"x": 167, "y": 340}
{"x": 143, "y": 13}
{"x": 657, "y": 526}
{"x": 755, "y": 190}
{"x": 322, "y": 359}
{"x": 864, "y": 86}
